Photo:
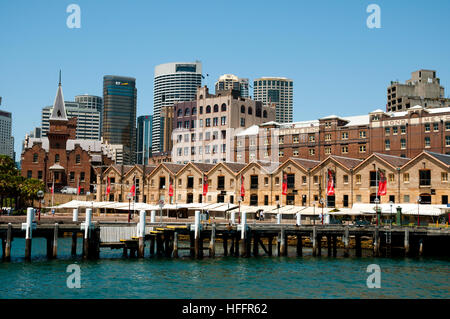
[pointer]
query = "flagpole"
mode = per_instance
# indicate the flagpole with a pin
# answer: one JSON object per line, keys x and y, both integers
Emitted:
{"x": 78, "y": 188}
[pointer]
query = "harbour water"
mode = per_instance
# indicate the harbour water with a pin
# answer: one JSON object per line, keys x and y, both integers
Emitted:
{"x": 112, "y": 276}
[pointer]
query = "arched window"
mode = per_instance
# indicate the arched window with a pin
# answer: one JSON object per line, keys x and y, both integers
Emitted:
{"x": 201, "y": 97}
{"x": 223, "y": 108}
{"x": 258, "y": 111}
{"x": 35, "y": 158}
{"x": 208, "y": 109}
{"x": 242, "y": 109}
{"x": 216, "y": 108}
{"x": 187, "y": 112}
{"x": 56, "y": 158}
{"x": 250, "y": 110}
{"x": 201, "y": 109}
{"x": 265, "y": 114}
{"x": 194, "y": 110}
{"x": 179, "y": 113}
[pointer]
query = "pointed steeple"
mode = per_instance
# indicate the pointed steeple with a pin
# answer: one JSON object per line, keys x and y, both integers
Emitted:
{"x": 59, "y": 108}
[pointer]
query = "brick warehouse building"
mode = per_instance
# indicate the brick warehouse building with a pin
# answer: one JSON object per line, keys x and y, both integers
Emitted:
{"x": 425, "y": 176}
{"x": 403, "y": 134}
{"x": 60, "y": 157}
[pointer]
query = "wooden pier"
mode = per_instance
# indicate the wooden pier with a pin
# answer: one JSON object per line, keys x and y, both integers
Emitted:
{"x": 164, "y": 239}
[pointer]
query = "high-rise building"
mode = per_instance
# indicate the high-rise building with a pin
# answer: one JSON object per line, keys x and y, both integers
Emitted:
{"x": 6, "y": 140}
{"x": 231, "y": 81}
{"x": 119, "y": 114}
{"x": 91, "y": 102}
{"x": 144, "y": 138}
{"x": 422, "y": 89}
{"x": 278, "y": 91}
{"x": 88, "y": 120}
{"x": 174, "y": 82}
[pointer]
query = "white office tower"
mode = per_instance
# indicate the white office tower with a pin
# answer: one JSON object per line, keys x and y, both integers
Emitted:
{"x": 174, "y": 82}
{"x": 278, "y": 91}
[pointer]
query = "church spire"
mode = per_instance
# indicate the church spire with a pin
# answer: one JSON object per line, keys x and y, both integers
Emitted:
{"x": 59, "y": 108}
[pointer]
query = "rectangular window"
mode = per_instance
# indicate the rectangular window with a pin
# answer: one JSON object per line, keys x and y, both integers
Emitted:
{"x": 327, "y": 137}
{"x": 295, "y": 152}
{"x": 444, "y": 177}
{"x": 281, "y": 140}
{"x": 221, "y": 182}
{"x": 403, "y": 144}
{"x": 435, "y": 127}
{"x": 387, "y": 145}
{"x": 427, "y": 142}
{"x": 424, "y": 177}
{"x": 406, "y": 198}
{"x": 312, "y": 151}
{"x": 207, "y": 122}
{"x": 344, "y": 135}
{"x": 215, "y": 121}
{"x": 403, "y": 129}
{"x": 82, "y": 176}
{"x": 29, "y": 174}
{"x": 447, "y": 141}
{"x": 303, "y": 179}
{"x": 358, "y": 179}
{"x": 291, "y": 180}
{"x": 254, "y": 182}
{"x": 345, "y": 179}
{"x": 395, "y": 130}
{"x": 312, "y": 138}
{"x": 39, "y": 174}
{"x": 344, "y": 149}
{"x": 295, "y": 139}
{"x": 327, "y": 150}
{"x": 427, "y": 127}
{"x": 72, "y": 176}
{"x": 316, "y": 179}
{"x": 406, "y": 177}
{"x": 223, "y": 120}
{"x": 358, "y": 198}
{"x": 391, "y": 178}
{"x": 362, "y": 148}
{"x": 362, "y": 134}
{"x": 387, "y": 130}
{"x": 447, "y": 126}
{"x": 242, "y": 121}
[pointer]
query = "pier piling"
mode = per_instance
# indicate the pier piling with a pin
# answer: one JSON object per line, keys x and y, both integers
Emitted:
{"x": 141, "y": 233}
{"x": 225, "y": 243}
{"x": 314, "y": 241}
{"x": 7, "y": 247}
{"x": 55, "y": 241}
{"x": 406, "y": 242}
{"x": 346, "y": 240}
{"x": 212, "y": 243}
{"x": 255, "y": 244}
{"x": 329, "y": 245}
{"x": 283, "y": 244}
{"x": 376, "y": 242}
{"x": 28, "y": 232}
{"x": 334, "y": 245}
{"x": 299, "y": 245}
{"x": 358, "y": 252}
{"x": 87, "y": 233}
{"x": 73, "y": 251}
{"x": 175, "y": 245}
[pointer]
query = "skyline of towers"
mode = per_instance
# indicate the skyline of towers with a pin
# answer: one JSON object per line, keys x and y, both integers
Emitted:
{"x": 231, "y": 81}
{"x": 173, "y": 82}
{"x": 119, "y": 114}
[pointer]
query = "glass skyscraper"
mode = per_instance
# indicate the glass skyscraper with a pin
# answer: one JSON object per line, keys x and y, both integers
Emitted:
{"x": 278, "y": 91}
{"x": 119, "y": 114}
{"x": 144, "y": 138}
{"x": 174, "y": 82}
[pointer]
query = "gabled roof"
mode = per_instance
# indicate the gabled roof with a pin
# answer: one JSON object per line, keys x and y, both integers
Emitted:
{"x": 59, "y": 109}
{"x": 235, "y": 167}
{"x": 391, "y": 160}
{"x": 204, "y": 167}
{"x": 267, "y": 166}
{"x": 305, "y": 163}
{"x": 172, "y": 167}
{"x": 347, "y": 162}
{"x": 444, "y": 158}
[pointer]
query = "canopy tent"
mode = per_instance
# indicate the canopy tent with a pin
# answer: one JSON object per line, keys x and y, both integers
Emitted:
{"x": 407, "y": 209}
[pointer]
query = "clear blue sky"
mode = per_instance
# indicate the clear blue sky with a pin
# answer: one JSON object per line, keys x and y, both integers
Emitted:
{"x": 339, "y": 66}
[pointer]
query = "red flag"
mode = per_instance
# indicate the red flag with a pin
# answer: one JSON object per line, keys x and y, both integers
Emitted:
{"x": 242, "y": 186}
{"x": 51, "y": 189}
{"x": 284, "y": 186}
{"x": 382, "y": 184}
{"x": 133, "y": 188}
{"x": 205, "y": 185}
{"x": 78, "y": 191}
{"x": 108, "y": 188}
{"x": 170, "y": 188}
{"x": 330, "y": 185}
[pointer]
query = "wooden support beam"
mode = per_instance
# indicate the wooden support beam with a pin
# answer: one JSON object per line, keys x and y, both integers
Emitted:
{"x": 358, "y": 251}
{"x": 125, "y": 252}
{"x": 225, "y": 243}
{"x": 175, "y": 245}
{"x": 244, "y": 251}
{"x": 7, "y": 249}
{"x": 314, "y": 241}
{"x": 262, "y": 245}
{"x": 73, "y": 251}
{"x": 283, "y": 243}
{"x": 212, "y": 243}
{"x": 55, "y": 240}
{"x": 232, "y": 245}
{"x": 270, "y": 240}
{"x": 255, "y": 244}
{"x": 334, "y": 245}
{"x": 376, "y": 242}
{"x": 406, "y": 243}
{"x": 319, "y": 244}
{"x": 159, "y": 245}
{"x": 236, "y": 244}
{"x": 329, "y": 245}
{"x": 346, "y": 240}
{"x": 299, "y": 245}
{"x": 152, "y": 245}
{"x": 167, "y": 251}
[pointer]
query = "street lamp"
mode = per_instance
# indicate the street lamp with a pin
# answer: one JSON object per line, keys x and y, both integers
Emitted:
{"x": 418, "y": 216}
{"x": 322, "y": 202}
{"x": 40, "y": 195}
{"x": 376, "y": 201}
{"x": 314, "y": 213}
{"x": 129, "y": 197}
